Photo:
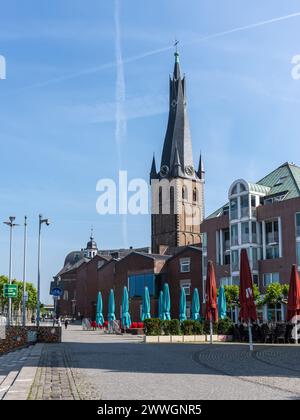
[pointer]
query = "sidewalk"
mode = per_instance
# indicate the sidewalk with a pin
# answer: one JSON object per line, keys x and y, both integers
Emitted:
{"x": 17, "y": 372}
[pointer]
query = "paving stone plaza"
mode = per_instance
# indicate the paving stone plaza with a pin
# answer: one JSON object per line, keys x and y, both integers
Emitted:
{"x": 88, "y": 365}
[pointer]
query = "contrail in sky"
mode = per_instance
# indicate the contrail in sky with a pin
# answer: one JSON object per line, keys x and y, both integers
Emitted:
{"x": 157, "y": 51}
{"x": 121, "y": 122}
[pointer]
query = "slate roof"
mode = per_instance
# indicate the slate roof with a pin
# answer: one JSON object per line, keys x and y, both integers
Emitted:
{"x": 177, "y": 150}
{"x": 284, "y": 180}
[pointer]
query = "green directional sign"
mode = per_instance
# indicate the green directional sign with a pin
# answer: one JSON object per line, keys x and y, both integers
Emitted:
{"x": 10, "y": 290}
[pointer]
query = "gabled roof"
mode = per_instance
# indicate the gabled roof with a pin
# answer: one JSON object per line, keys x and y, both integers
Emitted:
{"x": 285, "y": 181}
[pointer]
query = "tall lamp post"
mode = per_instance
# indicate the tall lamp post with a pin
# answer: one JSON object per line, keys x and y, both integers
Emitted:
{"x": 47, "y": 222}
{"x": 24, "y": 274}
{"x": 11, "y": 225}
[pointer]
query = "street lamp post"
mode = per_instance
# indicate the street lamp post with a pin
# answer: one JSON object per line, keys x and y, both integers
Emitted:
{"x": 24, "y": 274}
{"x": 11, "y": 225}
{"x": 41, "y": 221}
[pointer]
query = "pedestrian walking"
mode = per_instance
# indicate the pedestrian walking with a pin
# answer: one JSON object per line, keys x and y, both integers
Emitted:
{"x": 66, "y": 323}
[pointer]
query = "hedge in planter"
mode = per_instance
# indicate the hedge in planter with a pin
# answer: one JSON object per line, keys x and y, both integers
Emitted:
{"x": 187, "y": 327}
{"x": 153, "y": 326}
{"x": 225, "y": 326}
{"x": 206, "y": 327}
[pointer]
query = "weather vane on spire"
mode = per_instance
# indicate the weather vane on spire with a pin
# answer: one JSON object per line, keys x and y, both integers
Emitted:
{"x": 176, "y": 45}
{"x": 92, "y": 232}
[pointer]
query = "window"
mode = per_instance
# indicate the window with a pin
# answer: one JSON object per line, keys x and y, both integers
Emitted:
{"x": 254, "y": 259}
{"x": 235, "y": 260}
{"x": 236, "y": 280}
{"x": 269, "y": 278}
{"x": 280, "y": 181}
{"x": 245, "y": 232}
{"x": 185, "y": 264}
{"x": 184, "y": 192}
{"x": 225, "y": 281}
{"x": 234, "y": 235}
{"x": 298, "y": 253}
{"x": 195, "y": 195}
{"x": 242, "y": 188}
{"x": 138, "y": 282}
{"x": 186, "y": 285}
{"x": 254, "y": 232}
{"x": 66, "y": 295}
{"x": 234, "y": 190}
{"x": 272, "y": 252}
{"x": 297, "y": 224}
{"x": 253, "y": 205}
{"x": 274, "y": 313}
{"x": 255, "y": 279}
{"x": 234, "y": 208}
{"x": 244, "y": 206}
{"x": 272, "y": 238}
{"x": 188, "y": 310}
{"x": 226, "y": 239}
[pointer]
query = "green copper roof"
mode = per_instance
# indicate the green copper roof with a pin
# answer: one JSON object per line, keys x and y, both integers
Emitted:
{"x": 285, "y": 180}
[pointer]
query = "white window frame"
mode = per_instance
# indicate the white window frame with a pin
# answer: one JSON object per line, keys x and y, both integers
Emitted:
{"x": 186, "y": 284}
{"x": 271, "y": 274}
{"x": 185, "y": 262}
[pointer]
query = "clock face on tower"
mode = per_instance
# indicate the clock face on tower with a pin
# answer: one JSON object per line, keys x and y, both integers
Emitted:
{"x": 189, "y": 170}
{"x": 164, "y": 170}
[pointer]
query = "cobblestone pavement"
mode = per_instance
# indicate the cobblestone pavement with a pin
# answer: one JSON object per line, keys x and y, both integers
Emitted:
{"x": 90, "y": 365}
{"x": 17, "y": 371}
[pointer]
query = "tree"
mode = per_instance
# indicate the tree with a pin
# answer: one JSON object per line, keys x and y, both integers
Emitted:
{"x": 274, "y": 294}
{"x": 17, "y": 302}
{"x": 232, "y": 295}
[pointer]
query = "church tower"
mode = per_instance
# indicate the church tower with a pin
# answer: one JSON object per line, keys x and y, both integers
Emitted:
{"x": 177, "y": 187}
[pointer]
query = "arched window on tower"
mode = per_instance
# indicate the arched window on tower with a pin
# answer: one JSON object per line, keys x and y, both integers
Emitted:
{"x": 160, "y": 200}
{"x": 172, "y": 201}
{"x": 195, "y": 194}
{"x": 184, "y": 192}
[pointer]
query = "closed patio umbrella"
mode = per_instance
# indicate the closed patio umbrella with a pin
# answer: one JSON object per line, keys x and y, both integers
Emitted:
{"x": 211, "y": 310}
{"x": 146, "y": 305}
{"x": 160, "y": 304}
{"x": 293, "y": 305}
{"x": 99, "y": 310}
{"x": 167, "y": 303}
{"x": 126, "y": 321}
{"x": 182, "y": 305}
{"x": 196, "y": 305}
{"x": 222, "y": 306}
{"x": 246, "y": 295}
{"x": 111, "y": 306}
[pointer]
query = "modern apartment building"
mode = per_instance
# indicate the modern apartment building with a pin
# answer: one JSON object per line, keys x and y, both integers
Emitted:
{"x": 264, "y": 218}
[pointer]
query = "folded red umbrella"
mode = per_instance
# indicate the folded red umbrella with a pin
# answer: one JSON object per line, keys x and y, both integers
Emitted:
{"x": 248, "y": 307}
{"x": 211, "y": 310}
{"x": 293, "y": 305}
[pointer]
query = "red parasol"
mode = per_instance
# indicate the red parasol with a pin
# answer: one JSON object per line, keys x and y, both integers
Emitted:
{"x": 293, "y": 306}
{"x": 248, "y": 307}
{"x": 211, "y": 294}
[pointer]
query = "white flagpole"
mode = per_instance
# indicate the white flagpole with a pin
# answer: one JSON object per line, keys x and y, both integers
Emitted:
{"x": 211, "y": 330}
{"x": 250, "y": 335}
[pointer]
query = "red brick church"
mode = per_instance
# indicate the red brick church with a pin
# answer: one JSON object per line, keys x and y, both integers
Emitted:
{"x": 175, "y": 254}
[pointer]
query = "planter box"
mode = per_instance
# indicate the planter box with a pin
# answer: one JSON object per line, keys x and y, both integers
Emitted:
{"x": 164, "y": 338}
{"x": 176, "y": 338}
{"x": 225, "y": 338}
{"x": 200, "y": 338}
{"x": 214, "y": 337}
{"x": 188, "y": 338}
{"x": 150, "y": 339}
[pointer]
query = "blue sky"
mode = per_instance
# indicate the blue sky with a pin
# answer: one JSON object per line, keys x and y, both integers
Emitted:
{"x": 70, "y": 113}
